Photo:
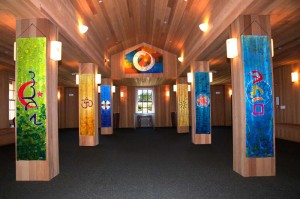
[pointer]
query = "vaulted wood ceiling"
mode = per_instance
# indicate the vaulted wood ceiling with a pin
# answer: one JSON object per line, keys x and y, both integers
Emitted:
{"x": 172, "y": 25}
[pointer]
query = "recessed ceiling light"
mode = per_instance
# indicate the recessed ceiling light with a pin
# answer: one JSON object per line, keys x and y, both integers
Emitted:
{"x": 203, "y": 27}
{"x": 83, "y": 29}
{"x": 180, "y": 59}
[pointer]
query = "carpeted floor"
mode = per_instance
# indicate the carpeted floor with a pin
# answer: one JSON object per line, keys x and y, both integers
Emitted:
{"x": 147, "y": 163}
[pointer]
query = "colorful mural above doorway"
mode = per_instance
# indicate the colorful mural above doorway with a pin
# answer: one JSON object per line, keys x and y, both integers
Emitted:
{"x": 143, "y": 60}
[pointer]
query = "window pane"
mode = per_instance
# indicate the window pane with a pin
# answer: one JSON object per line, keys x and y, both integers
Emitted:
{"x": 12, "y": 114}
{"x": 11, "y": 94}
{"x": 140, "y": 107}
{"x": 11, "y": 86}
{"x": 144, "y": 101}
{"x": 149, "y": 107}
{"x": 11, "y": 105}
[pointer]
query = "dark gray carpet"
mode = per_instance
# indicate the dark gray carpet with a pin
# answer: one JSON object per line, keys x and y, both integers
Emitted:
{"x": 144, "y": 163}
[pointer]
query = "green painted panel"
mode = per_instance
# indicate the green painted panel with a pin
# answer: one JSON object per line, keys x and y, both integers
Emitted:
{"x": 31, "y": 103}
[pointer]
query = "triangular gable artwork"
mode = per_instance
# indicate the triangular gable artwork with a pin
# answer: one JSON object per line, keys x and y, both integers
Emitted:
{"x": 143, "y": 60}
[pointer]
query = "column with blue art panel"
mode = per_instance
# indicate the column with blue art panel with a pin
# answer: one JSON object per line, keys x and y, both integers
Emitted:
{"x": 252, "y": 107}
{"x": 259, "y": 97}
{"x": 200, "y": 98}
{"x": 106, "y": 109}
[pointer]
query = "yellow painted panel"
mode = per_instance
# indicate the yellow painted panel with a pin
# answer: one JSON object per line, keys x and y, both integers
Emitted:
{"x": 87, "y": 104}
{"x": 183, "y": 105}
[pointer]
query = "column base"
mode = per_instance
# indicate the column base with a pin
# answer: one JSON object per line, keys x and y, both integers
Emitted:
{"x": 255, "y": 167}
{"x": 88, "y": 140}
{"x": 35, "y": 170}
{"x": 201, "y": 138}
{"x": 183, "y": 129}
{"x": 107, "y": 131}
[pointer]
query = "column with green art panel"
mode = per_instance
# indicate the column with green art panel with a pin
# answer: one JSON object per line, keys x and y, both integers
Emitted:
{"x": 31, "y": 103}
{"x": 36, "y": 104}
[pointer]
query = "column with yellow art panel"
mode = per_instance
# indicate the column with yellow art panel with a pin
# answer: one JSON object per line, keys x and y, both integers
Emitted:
{"x": 200, "y": 103}
{"x": 36, "y": 107}
{"x": 182, "y": 105}
{"x": 106, "y": 107}
{"x": 88, "y": 105}
{"x": 252, "y": 98}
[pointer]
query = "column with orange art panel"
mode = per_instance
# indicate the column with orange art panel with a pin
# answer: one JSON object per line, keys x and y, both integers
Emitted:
{"x": 200, "y": 103}
{"x": 88, "y": 105}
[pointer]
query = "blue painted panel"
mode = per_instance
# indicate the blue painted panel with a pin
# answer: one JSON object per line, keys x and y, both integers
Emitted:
{"x": 258, "y": 95}
{"x": 202, "y": 100}
{"x": 105, "y": 103}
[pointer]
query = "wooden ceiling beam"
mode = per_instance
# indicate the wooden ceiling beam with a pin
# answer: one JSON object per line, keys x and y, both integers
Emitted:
{"x": 220, "y": 21}
{"x": 63, "y": 14}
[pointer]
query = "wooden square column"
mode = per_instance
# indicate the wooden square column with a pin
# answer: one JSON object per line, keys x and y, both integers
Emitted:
{"x": 246, "y": 25}
{"x": 39, "y": 170}
{"x": 107, "y": 130}
{"x": 198, "y": 66}
{"x": 88, "y": 105}
{"x": 182, "y": 105}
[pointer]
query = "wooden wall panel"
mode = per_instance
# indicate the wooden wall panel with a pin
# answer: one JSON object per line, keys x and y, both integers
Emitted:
{"x": 169, "y": 64}
{"x": 72, "y": 110}
{"x": 287, "y": 113}
{"x": 228, "y": 105}
{"x": 162, "y": 106}
{"x": 217, "y": 94}
{"x": 288, "y": 93}
{"x": 126, "y": 105}
{"x": 61, "y": 107}
{"x": 116, "y": 100}
{"x": 4, "y": 100}
{"x": 131, "y": 105}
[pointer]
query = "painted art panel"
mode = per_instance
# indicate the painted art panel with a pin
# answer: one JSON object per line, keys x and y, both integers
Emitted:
{"x": 183, "y": 105}
{"x": 105, "y": 100}
{"x": 87, "y": 104}
{"x": 258, "y": 96}
{"x": 202, "y": 100}
{"x": 143, "y": 60}
{"x": 31, "y": 103}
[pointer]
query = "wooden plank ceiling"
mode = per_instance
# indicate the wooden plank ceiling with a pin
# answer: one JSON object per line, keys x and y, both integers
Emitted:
{"x": 172, "y": 25}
